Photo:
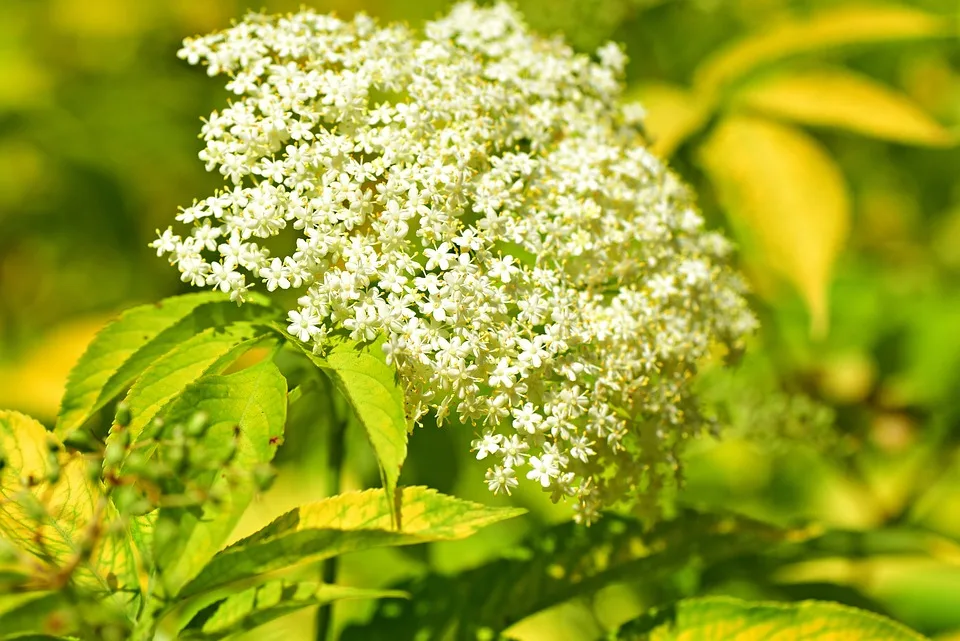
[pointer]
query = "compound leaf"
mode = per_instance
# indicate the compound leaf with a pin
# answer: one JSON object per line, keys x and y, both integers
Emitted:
{"x": 247, "y": 409}
{"x": 787, "y": 201}
{"x": 167, "y": 377}
{"x": 52, "y": 509}
{"x": 371, "y": 387}
{"x": 346, "y": 523}
{"x": 728, "y": 619}
{"x": 94, "y": 381}
{"x": 258, "y": 605}
{"x": 843, "y": 99}
{"x": 565, "y": 562}
{"x": 827, "y": 29}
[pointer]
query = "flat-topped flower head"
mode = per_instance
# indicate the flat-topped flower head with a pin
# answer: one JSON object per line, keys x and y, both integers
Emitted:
{"x": 477, "y": 196}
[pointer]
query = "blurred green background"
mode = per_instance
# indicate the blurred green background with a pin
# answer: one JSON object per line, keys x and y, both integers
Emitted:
{"x": 846, "y": 409}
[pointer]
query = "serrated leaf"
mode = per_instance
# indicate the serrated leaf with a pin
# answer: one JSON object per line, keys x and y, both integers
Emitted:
{"x": 166, "y": 378}
{"x": 53, "y": 521}
{"x": 371, "y": 387}
{"x": 843, "y": 99}
{"x": 87, "y": 387}
{"x": 562, "y": 563}
{"x": 248, "y": 408}
{"x": 256, "y": 606}
{"x": 728, "y": 619}
{"x": 827, "y": 29}
{"x": 786, "y": 199}
{"x": 346, "y": 523}
{"x": 673, "y": 114}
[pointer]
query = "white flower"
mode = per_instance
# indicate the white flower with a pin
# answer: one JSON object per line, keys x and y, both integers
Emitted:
{"x": 501, "y": 478}
{"x": 476, "y": 196}
{"x": 544, "y": 470}
{"x": 304, "y": 324}
{"x": 489, "y": 444}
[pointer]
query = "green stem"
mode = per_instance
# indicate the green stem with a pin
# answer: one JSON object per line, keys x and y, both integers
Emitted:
{"x": 334, "y": 468}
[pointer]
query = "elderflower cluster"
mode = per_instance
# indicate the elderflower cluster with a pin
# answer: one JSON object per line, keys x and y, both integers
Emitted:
{"x": 475, "y": 196}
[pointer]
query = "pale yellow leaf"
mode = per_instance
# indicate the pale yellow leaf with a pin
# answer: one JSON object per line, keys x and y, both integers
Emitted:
{"x": 673, "y": 114}
{"x": 840, "y": 98}
{"x": 827, "y": 29}
{"x": 64, "y": 523}
{"x": 786, "y": 198}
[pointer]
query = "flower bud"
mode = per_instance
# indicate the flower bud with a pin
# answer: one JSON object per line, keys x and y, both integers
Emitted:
{"x": 197, "y": 425}
{"x": 123, "y": 416}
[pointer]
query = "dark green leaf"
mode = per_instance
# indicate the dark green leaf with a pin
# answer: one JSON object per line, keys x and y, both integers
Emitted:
{"x": 565, "y": 562}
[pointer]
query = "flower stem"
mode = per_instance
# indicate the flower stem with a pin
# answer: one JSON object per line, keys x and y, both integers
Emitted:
{"x": 334, "y": 469}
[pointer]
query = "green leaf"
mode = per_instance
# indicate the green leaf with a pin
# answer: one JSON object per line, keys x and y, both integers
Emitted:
{"x": 371, "y": 387}
{"x": 248, "y": 408}
{"x": 728, "y": 619}
{"x": 843, "y": 99}
{"x": 166, "y": 378}
{"x": 256, "y": 606}
{"x": 827, "y": 29}
{"x": 346, "y": 523}
{"x": 562, "y": 563}
{"x": 26, "y": 612}
{"x": 786, "y": 199}
{"x": 94, "y": 380}
{"x": 54, "y": 522}
{"x": 673, "y": 114}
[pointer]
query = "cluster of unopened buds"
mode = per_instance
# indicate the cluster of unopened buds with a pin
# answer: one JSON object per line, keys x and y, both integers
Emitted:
{"x": 477, "y": 197}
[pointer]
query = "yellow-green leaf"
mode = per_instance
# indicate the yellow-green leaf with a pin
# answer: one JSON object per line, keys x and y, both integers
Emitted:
{"x": 53, "y": 521}
{"x": 673, "y": 114}
{"x": 371, "y": 387}
{"x": 208, "y": 352}
{"x": 727, "y": 619}
{"x": 23, "y": 613}
{"x": 253, "y": 607}
{"x": 252, "y": 403}
{"x": 347, "y": 522}
{"x": 786, "y": 199}
{"x": 840, "y": 98}
{"x": 824, "y": 30}
{"x": 88, "y": 387}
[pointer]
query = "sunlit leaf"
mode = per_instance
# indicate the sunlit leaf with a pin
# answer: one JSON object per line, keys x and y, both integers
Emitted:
{"x": 827, "y": 29}
{"x": 843, "y": 99}
{"x": 247, "y": 408}
{"x": 256, "y": 606}
{"x": 786, "y": 198}
{"x": 371, "y": 387}
{"x": 728, "y": 619}
{"x": 87, "y": 387}
{"x": 53, "y": 521}
{"x": 167, "y": 377}
{"x": 673, "y": 114}
{"x": 562, "y": 563}
{"x": 346, "y": 523}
